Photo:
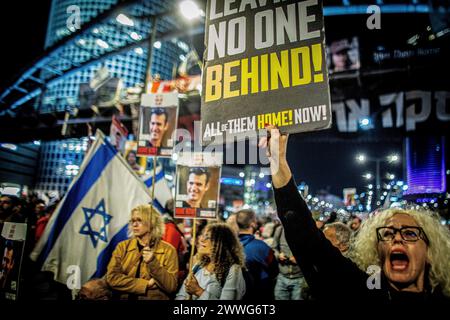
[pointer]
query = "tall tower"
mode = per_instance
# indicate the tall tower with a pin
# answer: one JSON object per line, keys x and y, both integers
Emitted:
{"x": 60, "y": 160}
{"x": 57, "y": 24}
{"x": 130, "y": 66}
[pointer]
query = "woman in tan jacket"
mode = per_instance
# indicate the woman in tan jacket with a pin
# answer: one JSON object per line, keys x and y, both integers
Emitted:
{"x": 144, "y": 267}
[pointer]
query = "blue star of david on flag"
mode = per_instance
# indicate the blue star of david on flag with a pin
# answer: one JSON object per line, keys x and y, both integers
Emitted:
{"x": 89, "y": 229}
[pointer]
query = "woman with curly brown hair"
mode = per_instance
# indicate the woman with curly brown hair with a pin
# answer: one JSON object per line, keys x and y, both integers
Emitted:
{"x": 218, "y": 275}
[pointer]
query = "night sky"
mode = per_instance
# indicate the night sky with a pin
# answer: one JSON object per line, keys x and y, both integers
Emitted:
{"x": 23, "y": 28}
{"x": 332, "y": 166}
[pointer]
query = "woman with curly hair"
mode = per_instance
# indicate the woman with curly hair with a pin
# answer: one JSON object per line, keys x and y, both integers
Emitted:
{"x": 406, "y": 252}
{"x": 144, "y": 267}
{"x": 218, "y": 275}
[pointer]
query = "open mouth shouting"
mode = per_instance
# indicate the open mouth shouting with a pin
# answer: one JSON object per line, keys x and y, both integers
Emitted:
{"x": 399, "y": 259}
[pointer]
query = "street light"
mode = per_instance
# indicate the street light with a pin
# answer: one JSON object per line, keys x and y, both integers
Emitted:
{"x": 361, "y": 158}
{"x": 393, "y": 158}
{"x": 365, "y": 122}
{"x": 390, "y": 176}
{"x": 189, "y": 10}
{"x": 368, "y": 176}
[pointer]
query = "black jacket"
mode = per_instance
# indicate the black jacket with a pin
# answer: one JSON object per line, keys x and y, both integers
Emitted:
{"x": 328, "y": 273}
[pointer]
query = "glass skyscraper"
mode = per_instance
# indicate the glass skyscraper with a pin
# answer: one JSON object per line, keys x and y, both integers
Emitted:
{"x": 129, "y": 65}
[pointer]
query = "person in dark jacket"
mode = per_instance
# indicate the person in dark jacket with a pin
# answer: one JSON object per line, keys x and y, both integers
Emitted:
{"x": 406, "y": 252}
{"x": 8, "y": 206}
{"x": 259, "y": 257}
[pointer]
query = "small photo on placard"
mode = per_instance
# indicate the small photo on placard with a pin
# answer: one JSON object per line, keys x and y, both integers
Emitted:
{"x": 198, "y": 187}
{"x": 158, "y": 118}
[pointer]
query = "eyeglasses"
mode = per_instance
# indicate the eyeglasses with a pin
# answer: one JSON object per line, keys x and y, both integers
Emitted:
{"x": 138, "y": 221}
{"x": 408, "y": 233}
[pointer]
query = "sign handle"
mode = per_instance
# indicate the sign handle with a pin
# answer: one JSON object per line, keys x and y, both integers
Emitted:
{"x": 153, "y": 190}
{"x": 191, "y": 258}
{"x": 154, "y": 178}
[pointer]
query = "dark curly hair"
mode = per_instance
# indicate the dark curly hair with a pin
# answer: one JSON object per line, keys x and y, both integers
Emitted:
{"x": 226, "y": 250}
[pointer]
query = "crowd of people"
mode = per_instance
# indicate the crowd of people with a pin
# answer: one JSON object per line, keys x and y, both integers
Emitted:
{"x": 31, "y": 210}
{"x": 287, "y": 257}
{"x": 242, "y": 257}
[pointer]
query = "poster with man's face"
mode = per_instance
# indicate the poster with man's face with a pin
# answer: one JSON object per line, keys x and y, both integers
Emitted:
{"x": 118, "y": 134}
{"x": 157, "y": 122}
{"x": 12, "y": 243}
{"x": 198, "y": 187}
{"x": 343, "y": 55}
{"x": 138, "y": 164}
{"x": 349, "y": 196}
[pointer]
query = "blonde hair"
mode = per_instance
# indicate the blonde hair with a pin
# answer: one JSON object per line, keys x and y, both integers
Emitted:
{"x": 364, "y": 247}
{"x": 151, "y": 218}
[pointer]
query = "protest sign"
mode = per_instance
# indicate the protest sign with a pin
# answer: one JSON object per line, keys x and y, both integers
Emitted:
{"x": 264, "y": 64}
{"x": 198, "y": 185}
{"x": 157, "y": 122}
{"x": 12, "y": 245}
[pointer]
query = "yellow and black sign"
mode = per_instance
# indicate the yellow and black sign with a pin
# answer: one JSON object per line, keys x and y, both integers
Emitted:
{"x": 264, "y": 64}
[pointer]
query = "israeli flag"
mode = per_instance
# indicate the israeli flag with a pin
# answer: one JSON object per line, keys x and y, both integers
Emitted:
{"x": 162, "y": 190}
{"x": 92, "y": 218}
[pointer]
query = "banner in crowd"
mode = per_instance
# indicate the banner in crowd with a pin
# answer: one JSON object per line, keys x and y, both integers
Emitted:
{"x": 138, "y": 164}
{"x": 264, "y": 64}
{"x": 349, "y": 196}
{"x": 157, "y": 123}
{"x": 343, "y": 55}
{"x": 405, "y": 110}
{"x": 198, "y": 185}
{"x": 118, "y": 134}
{"x": 89, "y": 222}
{"x": 183, "y": 84}
{"x": 12, "y": 245}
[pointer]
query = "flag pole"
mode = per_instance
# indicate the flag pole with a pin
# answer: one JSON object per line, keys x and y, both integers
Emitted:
{"x": 194, "y": 234}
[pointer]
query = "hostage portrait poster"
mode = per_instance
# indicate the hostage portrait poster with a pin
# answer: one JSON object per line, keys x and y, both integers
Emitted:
{"x": 264, "y": 64}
